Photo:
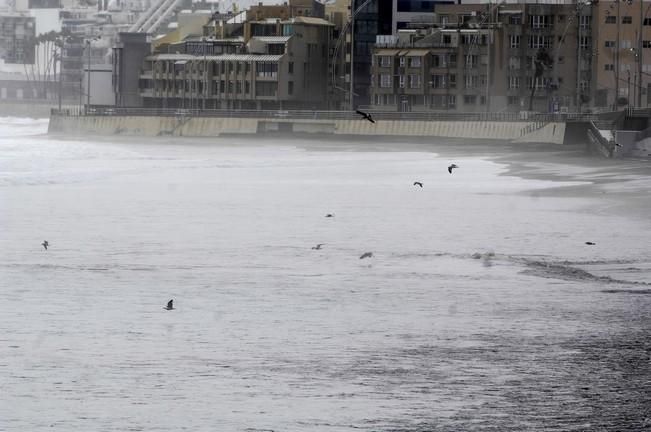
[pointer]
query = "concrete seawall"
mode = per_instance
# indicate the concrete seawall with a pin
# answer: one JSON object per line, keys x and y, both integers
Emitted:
{"x": 515, "y": 131}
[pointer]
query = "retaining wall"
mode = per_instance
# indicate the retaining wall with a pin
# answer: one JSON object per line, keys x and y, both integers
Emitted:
{"x": 522, "y": 131}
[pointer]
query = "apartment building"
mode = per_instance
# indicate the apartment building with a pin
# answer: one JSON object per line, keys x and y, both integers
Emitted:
{"x": 485, "y": 57}
{"x": 17, "y": 33}
{"x": 284, "y": 66}
{"x": 622, "y": 53}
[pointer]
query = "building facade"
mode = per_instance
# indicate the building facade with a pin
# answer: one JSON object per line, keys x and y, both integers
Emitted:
{"x": 622, "y": 53}
{"x": 284, "y": 66}
{"x": 486, "y": 57}
{"x": 17, "y": 35}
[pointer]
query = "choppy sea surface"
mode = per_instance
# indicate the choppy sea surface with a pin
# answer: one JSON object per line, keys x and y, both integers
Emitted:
{"x": 482, "y": 308}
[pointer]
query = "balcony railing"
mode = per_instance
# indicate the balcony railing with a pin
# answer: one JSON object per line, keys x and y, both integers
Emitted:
{"x": 326, "y": 115}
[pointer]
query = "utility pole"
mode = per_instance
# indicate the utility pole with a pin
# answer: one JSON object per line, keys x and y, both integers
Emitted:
{"x": 205, "y": 74}
{"x": 489, "y": 44}
{"x": 618, "y": 47}
{"x": 59, "y": 57}
{"x": 88, "y": 79}
{"x": 352, "y": 58}
{"x": 579, "y": 7}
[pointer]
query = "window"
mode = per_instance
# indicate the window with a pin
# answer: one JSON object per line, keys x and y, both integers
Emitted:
{"x": 447, "y": 39}
{"x": 452, "y": 61}
{"x": 470, "y": 100}
{"x": 267, "y": 69}
{"x": 514, "y": 82}
{"x": 453, "y": 81}
{"x": 438, "y": 61}
{"x": 585, "y": 42}
{"x": 514, "y": 41}
{"x": 609, "y": 67}
{"x": 438, "y": 81}
{"x": 561, "y": 60}
{"x": 472, "y": 81}
{"x": 452, "y": 101}
{"x": 290, "y": 87}
{"x": 647, "y": 21}
{"x": 515, "y": 20}
{"x": 611, "y": 19}
{"x": 627, "y": 20}
{"x": 385, "y": 81}
{"x": 482, "y": 100}
{"x": 609, "y": 44}
{"x": 584, "y": 21}
{"x": 401, "y": 81}
{"x": 583, "y": 85}
{"x": 626, "y": 44}
{"x": 513, "y": 100}
{"x": 471, "y": 61}
{"x": 291, "y": 67}
{"x": 385, "y": 61}
{"x": 540, "y": 82}
{"x": 414, "y": 62}
{"x": 538, "y": 41}
{"x": 414, "y": 81}
{"x": 402, "y": 61}
{"x": 646, "y": 44}
{"x": 540, "y": 21}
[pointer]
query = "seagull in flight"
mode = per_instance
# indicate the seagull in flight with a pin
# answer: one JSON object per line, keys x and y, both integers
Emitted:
{"x": 451, "y": 167}
{"x": 366, "y": 116}
{"x": 366, "y": 255}
{"x": 590, "y": 243}
{"x": 330, "y": 215}
{"x": 418, "y": 184}
{"x": 170, "y": 305}
{"x": 318, "y": 247}
{"x": 45, "y": 244}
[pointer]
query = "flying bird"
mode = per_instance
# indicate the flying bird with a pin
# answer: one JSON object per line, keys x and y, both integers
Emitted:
{"x": 451, "y": 167}
{"x": 170, "y": 305}
{"x": 318, "y": 247}
{"x": 366, "y": 255}
{"x": 618, "y": 144}
{"x": 330, "y": 215}
{"x": 418, "y": 184}
{"x": 590, "y": 243}
{"x": 45, "y": 244}
{"x": 366, "y": 116}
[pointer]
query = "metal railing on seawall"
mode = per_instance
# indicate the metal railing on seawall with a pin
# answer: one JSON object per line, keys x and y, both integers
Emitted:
{"x": 327, "y": 115}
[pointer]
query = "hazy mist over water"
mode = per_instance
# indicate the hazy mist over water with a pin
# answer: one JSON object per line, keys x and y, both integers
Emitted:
{"x": 482, "y": 307}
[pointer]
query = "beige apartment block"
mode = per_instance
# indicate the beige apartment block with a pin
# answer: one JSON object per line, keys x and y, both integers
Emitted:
{"x": 284, "y": 69}
{"x": 622, "y": 53}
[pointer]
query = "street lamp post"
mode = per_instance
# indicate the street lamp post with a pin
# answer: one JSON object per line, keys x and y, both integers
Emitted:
{"x": 618, "y": 47}
{"x": 88, "y": 47}
{"x": 205, "y": 74}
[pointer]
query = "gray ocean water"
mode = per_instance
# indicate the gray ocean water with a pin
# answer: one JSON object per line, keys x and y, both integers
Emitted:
{"x": 482, "y": 308}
